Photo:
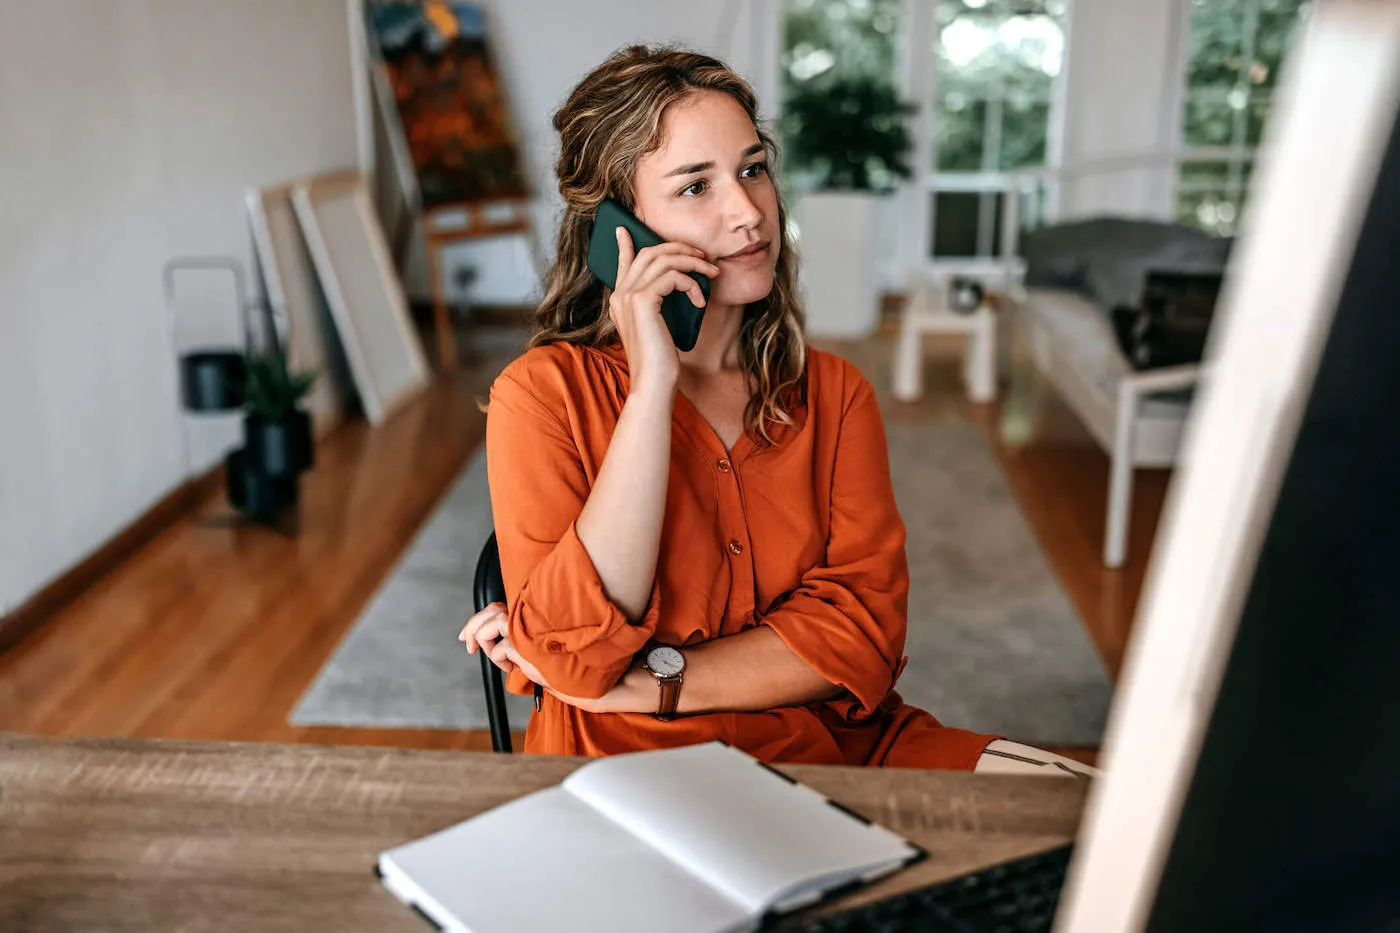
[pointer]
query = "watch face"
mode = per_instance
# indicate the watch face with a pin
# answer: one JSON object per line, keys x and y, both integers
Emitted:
{"x": 665, "y": 661}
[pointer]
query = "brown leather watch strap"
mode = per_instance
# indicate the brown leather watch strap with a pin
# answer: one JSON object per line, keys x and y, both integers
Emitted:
{"x": 670, "y": 698}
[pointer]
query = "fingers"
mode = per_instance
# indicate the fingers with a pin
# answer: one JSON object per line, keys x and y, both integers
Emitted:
{"x": 665, "y": 276}
{"x": 525, "y": 667}
{"x": 484, "y": 627}
{"x": 469, "y": 631}
{"x": 502, "y": 655}
{"x": 625, "y": 254}
{"x": 493, "y": 631}
{"x": 655, "y": 273}
{"x": 684, "y": 283}
{"x": 489, "y": 630}
{"x": 468, "y": 634}
{"x": 653, "y": 261}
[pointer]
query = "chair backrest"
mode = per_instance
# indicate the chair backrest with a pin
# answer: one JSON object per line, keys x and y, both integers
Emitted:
{"x": 490, "y": 588}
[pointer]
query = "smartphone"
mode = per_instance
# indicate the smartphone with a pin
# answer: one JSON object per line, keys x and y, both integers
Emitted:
{"x": 682, "y": 318}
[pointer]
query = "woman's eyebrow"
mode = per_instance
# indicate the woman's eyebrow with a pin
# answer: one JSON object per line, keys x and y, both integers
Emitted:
{"x": 706, "y": 166}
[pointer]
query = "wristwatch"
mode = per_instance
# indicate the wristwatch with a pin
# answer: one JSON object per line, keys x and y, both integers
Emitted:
{"x": 667, "y": 665}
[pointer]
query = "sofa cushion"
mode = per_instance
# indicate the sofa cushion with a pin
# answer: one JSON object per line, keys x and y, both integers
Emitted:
{"x": 1083, "y": 337}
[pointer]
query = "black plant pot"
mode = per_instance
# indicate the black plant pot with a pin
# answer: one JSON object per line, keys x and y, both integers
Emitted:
{"x": 279, "y": 448}
{"x": 254, "y": 493}
{"x": 212, "y": 380}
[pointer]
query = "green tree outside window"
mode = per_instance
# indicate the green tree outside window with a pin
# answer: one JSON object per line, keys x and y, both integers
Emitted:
{"x": 1235, "y": 51}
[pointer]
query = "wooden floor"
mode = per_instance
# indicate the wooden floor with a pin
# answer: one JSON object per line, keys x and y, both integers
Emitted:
{"x": 212, "y": 632}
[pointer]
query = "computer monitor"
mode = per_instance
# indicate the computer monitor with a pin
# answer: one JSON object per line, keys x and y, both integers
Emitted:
{"x": 1252, "y": 755}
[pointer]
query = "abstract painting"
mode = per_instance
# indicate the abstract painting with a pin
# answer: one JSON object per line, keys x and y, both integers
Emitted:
{"x": 434, "y": 57}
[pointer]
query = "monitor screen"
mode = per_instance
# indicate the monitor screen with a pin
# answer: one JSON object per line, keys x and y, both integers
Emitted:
{"x": 1292, "y": 820}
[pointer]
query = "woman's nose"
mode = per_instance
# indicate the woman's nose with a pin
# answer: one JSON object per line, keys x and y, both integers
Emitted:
{"x": 740, "y": 209}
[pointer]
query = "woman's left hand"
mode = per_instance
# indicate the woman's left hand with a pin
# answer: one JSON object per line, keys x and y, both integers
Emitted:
{"x": 489, "y": 630}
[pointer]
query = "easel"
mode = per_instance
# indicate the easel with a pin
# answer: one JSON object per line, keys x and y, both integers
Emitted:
{"x": 457, "y": 223}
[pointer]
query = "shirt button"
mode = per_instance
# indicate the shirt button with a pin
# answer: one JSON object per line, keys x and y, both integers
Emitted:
{"x": 735, "y": 547}
{"x": 553, "y": 647}
{"x": 722, "y": 465}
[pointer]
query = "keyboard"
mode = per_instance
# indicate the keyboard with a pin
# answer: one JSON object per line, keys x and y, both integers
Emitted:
{"x": 1014, "y": 897}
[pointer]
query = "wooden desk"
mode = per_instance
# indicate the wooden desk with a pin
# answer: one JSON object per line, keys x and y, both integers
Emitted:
{"x": 132, "y": 834}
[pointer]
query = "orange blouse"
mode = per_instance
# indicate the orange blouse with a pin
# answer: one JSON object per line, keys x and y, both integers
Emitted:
{"x": 803, "y": 537}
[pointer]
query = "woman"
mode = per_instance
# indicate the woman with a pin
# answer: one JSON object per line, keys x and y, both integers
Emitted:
{"x": 732, "y": 502}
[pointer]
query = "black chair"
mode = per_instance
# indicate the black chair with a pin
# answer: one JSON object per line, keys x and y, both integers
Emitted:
{"x": 491, "y": 588}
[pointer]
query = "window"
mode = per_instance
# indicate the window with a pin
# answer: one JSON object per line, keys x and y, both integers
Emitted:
{"x": 997, "y": 64}
{"x": 1233, "y": 59}
{"x": 824, "y": 39}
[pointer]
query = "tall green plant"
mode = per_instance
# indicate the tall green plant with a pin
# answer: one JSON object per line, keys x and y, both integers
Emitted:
{"x": 849, "y": 133}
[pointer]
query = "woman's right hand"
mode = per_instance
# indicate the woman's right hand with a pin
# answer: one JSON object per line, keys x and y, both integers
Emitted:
{"x": 643, "y": 279}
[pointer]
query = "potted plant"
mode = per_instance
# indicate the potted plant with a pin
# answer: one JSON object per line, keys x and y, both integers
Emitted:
{"x": 847, "y": 136}
{"x": 276, "y": 432}
{"x": 258, "y": 496}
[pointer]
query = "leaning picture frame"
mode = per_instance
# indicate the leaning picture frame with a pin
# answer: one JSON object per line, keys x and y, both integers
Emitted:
{"x": 308, "y": 335}
{"x": 366, "y": 298}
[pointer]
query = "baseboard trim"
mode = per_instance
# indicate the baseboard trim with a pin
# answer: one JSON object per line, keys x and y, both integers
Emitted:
{"x": 43, "y": 605}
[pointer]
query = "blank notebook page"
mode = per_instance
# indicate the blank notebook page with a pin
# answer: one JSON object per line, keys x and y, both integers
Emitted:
{"x": 745, "y": 829}
{"x": 548, "y": 862}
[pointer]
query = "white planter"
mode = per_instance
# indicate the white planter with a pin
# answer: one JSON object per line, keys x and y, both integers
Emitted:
{"x": 839, "y": 279}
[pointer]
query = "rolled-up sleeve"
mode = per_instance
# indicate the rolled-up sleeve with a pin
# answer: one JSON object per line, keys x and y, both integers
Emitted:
{"x": 561, "y": 618}
{"x": 848, "y": 618}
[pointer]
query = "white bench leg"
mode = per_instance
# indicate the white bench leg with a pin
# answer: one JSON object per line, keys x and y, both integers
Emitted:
{"x": 909, "y": 358}
{"x": 980, "y": 359}
{"x": 1120, "y": 479}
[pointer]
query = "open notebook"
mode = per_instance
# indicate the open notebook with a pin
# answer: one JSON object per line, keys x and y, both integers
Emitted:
{"x": 691, "y": 840}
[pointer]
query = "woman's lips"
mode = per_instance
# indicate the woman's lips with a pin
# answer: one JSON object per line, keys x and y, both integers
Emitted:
{"x": 757, "y": 257}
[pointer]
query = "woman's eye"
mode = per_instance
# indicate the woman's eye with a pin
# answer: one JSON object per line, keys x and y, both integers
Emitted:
{"x": 750, "y": 171}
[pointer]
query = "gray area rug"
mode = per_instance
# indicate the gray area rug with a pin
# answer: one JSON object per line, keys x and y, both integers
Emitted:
{"x": 401, "y": 666}
{"x": 994, "y": 645}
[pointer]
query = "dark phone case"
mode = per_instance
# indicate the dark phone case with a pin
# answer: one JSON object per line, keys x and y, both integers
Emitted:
{"x": 682, "y": 318}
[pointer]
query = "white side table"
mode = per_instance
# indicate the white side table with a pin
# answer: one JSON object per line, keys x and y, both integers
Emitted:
{"x": 926, "y": 313}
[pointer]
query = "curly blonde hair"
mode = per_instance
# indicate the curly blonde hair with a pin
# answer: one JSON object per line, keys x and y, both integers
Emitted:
{"x": 612, "y": 119}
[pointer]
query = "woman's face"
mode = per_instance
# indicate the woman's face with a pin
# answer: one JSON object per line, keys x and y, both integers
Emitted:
{"x": 708, "y": 186}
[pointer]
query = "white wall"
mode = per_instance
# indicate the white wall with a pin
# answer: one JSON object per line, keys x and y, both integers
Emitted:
{"x": 1123, "y": 74}
{"x": 544, "y": 47}
{"x": 130, "y": 131}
